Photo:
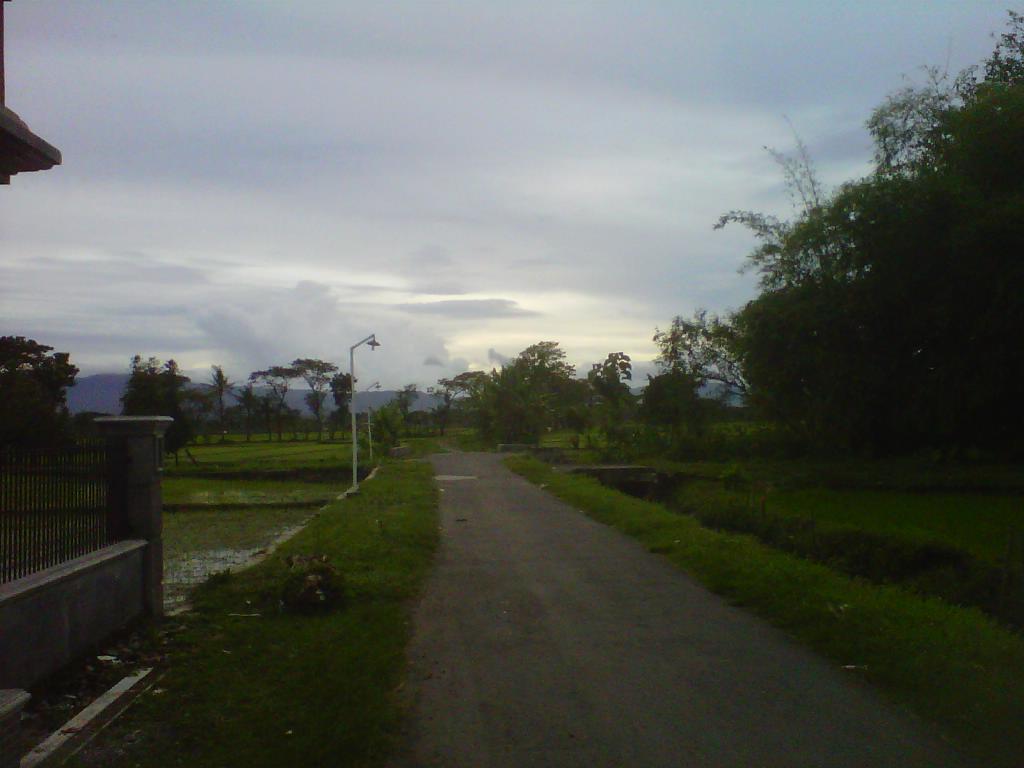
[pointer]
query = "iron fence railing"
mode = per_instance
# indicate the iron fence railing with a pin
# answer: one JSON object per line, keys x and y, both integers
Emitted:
{"x": 53, "y": 507}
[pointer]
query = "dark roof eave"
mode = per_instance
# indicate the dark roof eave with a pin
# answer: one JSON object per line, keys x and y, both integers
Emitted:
{"x": 20, "y": 149}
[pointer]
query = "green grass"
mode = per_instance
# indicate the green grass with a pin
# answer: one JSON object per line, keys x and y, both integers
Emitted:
{"x": 978, "y": 523}
{"x": 284, "y": 689}
{"x": 257, "y": 457}
{"x": 198, "y": 491}
{"x": 974, "y": 522}
{"x": 952, "y": 665}
{"x": 895, "y": 474}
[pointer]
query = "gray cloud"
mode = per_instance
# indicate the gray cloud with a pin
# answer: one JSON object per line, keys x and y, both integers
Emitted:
{"x": 433, "y": 360}
{"x": 448, "y": 288}
{"x": 417, "y": 151}
{"x": 494, "y": 356}
{"x": 469, "y": 308}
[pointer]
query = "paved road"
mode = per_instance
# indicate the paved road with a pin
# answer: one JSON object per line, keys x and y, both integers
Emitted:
{"x": 546, "y": 639}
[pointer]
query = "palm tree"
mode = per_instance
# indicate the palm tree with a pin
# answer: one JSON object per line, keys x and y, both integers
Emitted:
{"x": 221, "y": 387}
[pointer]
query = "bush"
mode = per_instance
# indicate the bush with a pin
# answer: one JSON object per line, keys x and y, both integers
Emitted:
{"x": 313, "y": 585}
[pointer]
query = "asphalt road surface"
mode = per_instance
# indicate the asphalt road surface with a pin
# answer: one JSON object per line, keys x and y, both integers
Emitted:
{"x": 544, "y": 638}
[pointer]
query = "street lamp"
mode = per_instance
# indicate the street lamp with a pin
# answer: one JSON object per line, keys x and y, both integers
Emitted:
{"x": 372, "y": 342}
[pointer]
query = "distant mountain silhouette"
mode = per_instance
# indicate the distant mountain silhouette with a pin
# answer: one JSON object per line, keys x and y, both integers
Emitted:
{"x": 101, "y": 393}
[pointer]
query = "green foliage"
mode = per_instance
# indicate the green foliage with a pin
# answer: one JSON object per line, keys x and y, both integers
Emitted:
{"x": 611, "y": 403}
{"x": 885, "y": 305}
{"x": 404, "y": 399}
{"x": 318, "y": 376}
{"x": 671, "y": 401}
{"x": 528, "y": 396}
{"x": 388, "y": 423}
{"x": 509, "y": 408}
{"x": 454, "y": 391}
{"x": 277, "y": 379}
{"x": 33, "y": 391}
{"x": 158, "y": 389}
{"x": 222, "y": 387}
{"x": 703, "y": 347}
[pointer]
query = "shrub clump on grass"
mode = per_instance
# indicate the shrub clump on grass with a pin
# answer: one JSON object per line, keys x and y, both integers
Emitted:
{"x": 313, "y": 585}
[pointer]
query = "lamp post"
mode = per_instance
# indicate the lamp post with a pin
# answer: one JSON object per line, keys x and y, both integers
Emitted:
{"x": 372, "y": 342}
{"x": 369, "y": 419}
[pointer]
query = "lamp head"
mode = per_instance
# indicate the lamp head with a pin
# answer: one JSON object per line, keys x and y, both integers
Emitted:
{"x": 373, "y": 343}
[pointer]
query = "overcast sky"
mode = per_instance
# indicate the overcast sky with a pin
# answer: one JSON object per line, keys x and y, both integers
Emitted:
{"x": 245, "y": 183}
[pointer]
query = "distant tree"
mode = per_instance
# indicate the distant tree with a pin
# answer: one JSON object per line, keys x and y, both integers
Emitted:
{"x": 405, "y": 398}
{"x": 530, "y": 394}
{"x": 449, "y": 391}
{"x": 577, "y": 421}
{"x": 341, "y": 392}
{"x": 671, "y": 401}
{"x": 318, "y": 376}
{"x": 387, "y": 423}
{"x": 266, "y": 407}
{"x": 454, "y": 391}
{"x": 315, "y": 404}
{"x": 442, "y": 411}
{"x": 613, "y": 399}
{"x": 247, "y": 400}
{"x": 222, "y": 387}
{"x": 704, "y": 346}
{"x": 33, "y": 393}
{"x": 277, "y": 379}
{"x": 198, "y": 406}
{"x": 155, "y": 389}
{"x": 143, "y": 393}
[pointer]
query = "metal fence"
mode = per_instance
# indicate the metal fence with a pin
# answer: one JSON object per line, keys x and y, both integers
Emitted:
{"x": 53, "y": 507}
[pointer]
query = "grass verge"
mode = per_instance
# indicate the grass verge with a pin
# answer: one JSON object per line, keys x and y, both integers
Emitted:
{"x": 281, "y": 688}
{"x": 952, "y": 665}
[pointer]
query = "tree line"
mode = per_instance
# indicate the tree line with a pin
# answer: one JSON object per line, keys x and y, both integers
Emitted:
{"x": 156, "y": 388}
{"x": 890, "y": 315}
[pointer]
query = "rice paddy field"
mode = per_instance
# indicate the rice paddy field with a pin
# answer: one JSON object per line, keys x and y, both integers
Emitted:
{"x": 226, "y": 504}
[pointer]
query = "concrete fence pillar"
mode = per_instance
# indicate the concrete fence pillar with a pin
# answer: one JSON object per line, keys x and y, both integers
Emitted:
{"x": 136, "y": 448}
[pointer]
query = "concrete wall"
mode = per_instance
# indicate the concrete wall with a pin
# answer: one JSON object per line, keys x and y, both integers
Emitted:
{"x": 52, "y": 617}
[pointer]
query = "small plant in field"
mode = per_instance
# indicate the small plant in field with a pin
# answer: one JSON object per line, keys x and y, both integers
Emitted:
{"x": 313, "y": 585}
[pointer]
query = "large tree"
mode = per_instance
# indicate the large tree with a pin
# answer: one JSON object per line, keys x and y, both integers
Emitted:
{"x": 705, "y": 347}
{"x": 886, "y": 306}
{"x": 453, "y": 390}
{"x": 612, "y": 400}
{"x": 158, "y": 389}
{"x": 277, "y": 380}
{"x": 33, "y": 393}
{"x": 529, "y": 395}
{"x": 318, "y": 375}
